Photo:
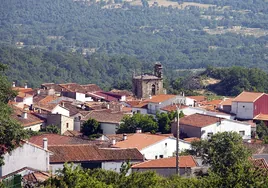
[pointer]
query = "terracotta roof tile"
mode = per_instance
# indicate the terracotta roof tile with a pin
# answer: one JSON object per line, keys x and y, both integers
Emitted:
{"x": 247, "y": 96}
{"x": 48, "y": 99}
{"x": 263, "y": 117}
{"x": 184, "y": 162}
{"x": 133, "y": 103}
{"x": 31, "y": 119}
{"x": 54, "y": 86}
{"x": 191, "y": 139}
{"x": 121, "y": 92}
{"x": 227, "y": 102}
{"x": 198, "y": 98}
{"x": 105, "y": 116}
{"x": 147, "y": 77}
{"x": 91, "y": 88}
{"x": 55, "y": 139}
{"x": 173, "y": 107}
{"x": 73, "y": 87}
{"x": 142, "y": 104}
{"x": 78, "y": 153}
{"x": 45, "y": 106}
{"x": 199, "y": 120}
{"x": 140, "y": 140}
{"x": 38, "y": 176}
{"x": 260, "y": 163}
{"x": 160, "y": 98}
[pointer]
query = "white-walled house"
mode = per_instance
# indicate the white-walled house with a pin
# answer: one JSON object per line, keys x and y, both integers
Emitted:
{"x": 109, "y": 121}
{"x": 64, "y": 123}
{"x": 204, "y": 126}
{"x": 153, "y": 146}
{"x": 27, "y": 119}
{"x": 156, "y": 102}
{"x": 89, "y": 156}
{"x": 28, "y": 155}
{"x": 248, "y": 105}
{"x": 51, "y": 108}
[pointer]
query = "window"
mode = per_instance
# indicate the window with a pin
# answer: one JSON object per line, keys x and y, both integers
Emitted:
{"x": 166, "y": 144}
{"x": 67, "y": 125}
{"x": 161, "y": 156}
{"x": 243, "y": 106}
{"x": 209, "y": 135}
{"x": 138, "y": 111}
{"x": 242, "y": 133}
{"x": 156, "y": 157}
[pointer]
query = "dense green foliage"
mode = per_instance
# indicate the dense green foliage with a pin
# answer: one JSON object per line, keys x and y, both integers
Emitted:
{"x": 164, "y": 120}
{"x": 262, "y": 130}
{"x": 145, "y": 122}
{"x": 229, "y": 160}
{"x": 51, "y": 129}
{"x": 176, "y": 37}
{"x": 91, "y": 127}
{"x": 37, "y": 67}
{"x": 11, "y": 132}
{"x": 234, "y": 80}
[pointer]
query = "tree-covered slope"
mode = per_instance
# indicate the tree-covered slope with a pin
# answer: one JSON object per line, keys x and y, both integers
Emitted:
{"x": 37, "y": 66}
{"x": 173, "y": 36}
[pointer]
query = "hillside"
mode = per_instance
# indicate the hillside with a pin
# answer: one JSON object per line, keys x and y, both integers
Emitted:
{"x": 190, "y": 35}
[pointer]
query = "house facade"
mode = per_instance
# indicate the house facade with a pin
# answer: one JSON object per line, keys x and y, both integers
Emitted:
{"x": 28, "y": 155}
{"x": 167, "y": 166}
{"x": 89, "y": 156}
{"x": 153, "y": 146}
{"x": 63, "y": 122}
{"x": 247, "y": 105}
{"x": 204, "y": 126}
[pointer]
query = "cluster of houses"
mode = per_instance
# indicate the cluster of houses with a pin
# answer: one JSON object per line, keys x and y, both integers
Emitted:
{"x": 68, "y": 106}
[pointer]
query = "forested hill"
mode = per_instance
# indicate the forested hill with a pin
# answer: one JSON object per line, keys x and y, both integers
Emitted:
{"x": 190, "y": 37}
{"x": 37, "y": 67}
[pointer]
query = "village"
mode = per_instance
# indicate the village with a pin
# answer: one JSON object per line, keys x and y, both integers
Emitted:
{"x": 68, "y": 106}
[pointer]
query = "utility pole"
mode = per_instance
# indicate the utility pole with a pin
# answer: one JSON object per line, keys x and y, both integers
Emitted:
{"x": 177, "y": 142}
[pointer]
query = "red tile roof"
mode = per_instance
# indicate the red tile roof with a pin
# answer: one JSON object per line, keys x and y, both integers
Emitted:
{"x": 199, "y": 120}
{"x": 78, "y": 153}
{"x": 55, "y": 139}
{"x": 248, "y": 97}
{"x": 105, "y": 116}
{"x": 73, "y": 87}
{"x": 263, "y": 117}
{"x": 140, "y": 140}
{"x": 227, "y": 102}
{"x": 91, "y": 88}
{"x": 122, "y": 92}
{"x": 184, "y": 162}
{"x": 160, "y": 98}
{"x": 198, "y": 98}
{"x": 260, "y": 163}
{"x": 31, "y": 119}
{"x": 191, "y": 139}
{"x": 38, "y": 176}
{"x": 173, "y": 107}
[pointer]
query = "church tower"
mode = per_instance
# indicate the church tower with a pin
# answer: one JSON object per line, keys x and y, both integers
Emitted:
{"x": 146, "y": 85}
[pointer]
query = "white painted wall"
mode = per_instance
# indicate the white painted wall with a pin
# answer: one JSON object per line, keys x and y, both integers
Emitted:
{"x": 80, "y": 97}
{"x": 111, "y": 165}
{"x": 192, "y": 110}
{"x": 55, "y": 167}
{"x": 123, "y": 98}
{"x": 26, "y": 156}
{"x": 35, "y": 127}
{"x": 229, "y": 126}
{"x": 60, "y": 110}
{"x": 243, "y": 110}
{"x": 140, "y": 110}
{"x": 109, "y": 128}
{"x": 154, "y": 107}
{"x": 189, "y": 101}
{"x": 160, "y": 148}
{"x": 28, "y": 100}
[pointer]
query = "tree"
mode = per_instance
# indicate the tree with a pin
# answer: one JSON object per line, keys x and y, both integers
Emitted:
{"x": 91, "y": 127}
{"x": 164, "y": 123}
{"x": 11, "y": 132}
{"x": 129, "y": 124}
{"x": 262, "y": 130}
{"x": 51, "y": 129}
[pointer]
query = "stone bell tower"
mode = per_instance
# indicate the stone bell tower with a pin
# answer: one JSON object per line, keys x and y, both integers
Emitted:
{"x": 146, "y": 85}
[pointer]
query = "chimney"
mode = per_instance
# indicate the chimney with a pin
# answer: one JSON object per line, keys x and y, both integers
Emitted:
{"x": 113, "y": 141}
{"x": 13, "y": 84}
{"x": 150, "y": 96}
{"x": 62, "y": 103}
{"x": 108, "y": 106}
{"x": 25, "y": 85}
{"x": 45, "y": 143}
{"x": 124, "y": 136}
{"x": 38, "y": 92}
{"x": 138, "y": 130}
{"x": 24, "y": 114}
